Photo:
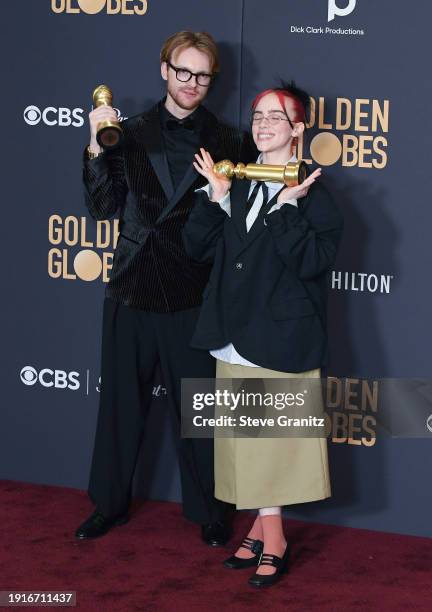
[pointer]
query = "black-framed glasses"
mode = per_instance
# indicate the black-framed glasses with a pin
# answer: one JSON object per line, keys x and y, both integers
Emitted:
{"x": 202, "y": 78}
{"x": 273, "y": 118}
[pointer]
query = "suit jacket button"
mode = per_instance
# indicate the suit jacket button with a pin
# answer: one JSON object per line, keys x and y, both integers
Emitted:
{"x": 239, "y": 265}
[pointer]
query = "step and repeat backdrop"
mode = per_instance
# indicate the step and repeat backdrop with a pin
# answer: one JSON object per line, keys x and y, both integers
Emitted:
{"x": 364, "y": 65}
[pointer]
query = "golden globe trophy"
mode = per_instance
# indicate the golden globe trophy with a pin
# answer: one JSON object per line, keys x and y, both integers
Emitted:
{"x": 109, "y": 133}
{"x": 293, "y": 174}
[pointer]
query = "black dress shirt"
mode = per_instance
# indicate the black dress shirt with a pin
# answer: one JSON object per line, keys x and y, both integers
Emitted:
{"x": 182, "y": 139}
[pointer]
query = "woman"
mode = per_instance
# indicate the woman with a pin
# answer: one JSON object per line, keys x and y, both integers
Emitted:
{"x": 263, "y": 316}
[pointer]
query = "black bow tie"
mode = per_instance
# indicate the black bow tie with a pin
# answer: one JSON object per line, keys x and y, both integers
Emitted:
{"x": 187, "y": 124}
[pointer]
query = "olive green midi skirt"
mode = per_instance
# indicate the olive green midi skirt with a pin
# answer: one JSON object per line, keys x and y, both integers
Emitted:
{"x": 253, "y": 472}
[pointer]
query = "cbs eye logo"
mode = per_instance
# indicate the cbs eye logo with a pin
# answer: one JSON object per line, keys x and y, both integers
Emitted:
{"x": 63, "y": 117}
{"x": 28, "y": 375}
{"x": 32, "y": 115}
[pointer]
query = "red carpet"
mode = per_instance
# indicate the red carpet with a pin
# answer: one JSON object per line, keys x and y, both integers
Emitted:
{"x": 157, "y": 561}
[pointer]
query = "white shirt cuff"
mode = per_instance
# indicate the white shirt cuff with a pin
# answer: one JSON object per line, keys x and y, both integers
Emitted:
{"x": 224, "y": 203}
{"x": 276, "y": 206}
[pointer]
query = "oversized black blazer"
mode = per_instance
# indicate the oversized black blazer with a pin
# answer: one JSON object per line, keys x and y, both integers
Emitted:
{"x": 267, "y": 292}
{"x": 151, "y": 269}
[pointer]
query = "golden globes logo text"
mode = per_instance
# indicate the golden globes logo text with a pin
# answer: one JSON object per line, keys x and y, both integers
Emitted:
{"x": 352, "y": 406}
{"x": 81, "y": 249}
{"x": 92, "y": 7}
{"x": 351, "y": 133}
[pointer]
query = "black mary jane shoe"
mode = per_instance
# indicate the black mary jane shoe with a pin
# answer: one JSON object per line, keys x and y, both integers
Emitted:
{"x": 281, "y": 565}
{"x": 255, "y": 546}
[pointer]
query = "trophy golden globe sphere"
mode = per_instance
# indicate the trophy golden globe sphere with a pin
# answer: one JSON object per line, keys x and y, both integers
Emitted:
{"x": 109, "y": 133}
{"x": 224, "y": 168}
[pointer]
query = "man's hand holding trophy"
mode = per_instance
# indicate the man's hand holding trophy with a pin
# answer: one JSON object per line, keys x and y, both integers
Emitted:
{"x": 105, "y": 130}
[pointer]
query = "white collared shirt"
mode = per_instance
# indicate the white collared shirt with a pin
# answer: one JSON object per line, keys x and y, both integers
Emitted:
{"x": 228, "y": 352}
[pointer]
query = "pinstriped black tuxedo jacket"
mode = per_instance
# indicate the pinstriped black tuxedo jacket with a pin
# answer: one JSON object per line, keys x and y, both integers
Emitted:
{"x": 151, "y": 269}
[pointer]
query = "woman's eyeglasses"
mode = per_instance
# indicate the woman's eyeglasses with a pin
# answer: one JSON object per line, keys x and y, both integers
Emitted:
{"x": 272, "y": 118}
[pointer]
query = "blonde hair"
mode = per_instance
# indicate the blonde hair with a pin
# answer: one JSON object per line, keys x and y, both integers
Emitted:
{"x": 198, "y": 40}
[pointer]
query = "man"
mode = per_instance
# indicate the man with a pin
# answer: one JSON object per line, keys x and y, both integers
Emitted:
{"x": 152, "y": 299}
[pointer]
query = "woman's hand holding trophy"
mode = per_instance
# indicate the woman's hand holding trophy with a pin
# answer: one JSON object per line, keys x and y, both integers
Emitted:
{"x": 299, "y": 191}
{"x": 220, "y": 184}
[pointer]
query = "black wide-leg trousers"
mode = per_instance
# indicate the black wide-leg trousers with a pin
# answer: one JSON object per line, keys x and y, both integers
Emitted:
{"x": 133, "y": 342}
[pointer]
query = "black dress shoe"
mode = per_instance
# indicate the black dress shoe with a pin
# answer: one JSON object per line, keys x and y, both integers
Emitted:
{"x": 98, "y": 525}
{"x": 256, "y": 546}
{"x": 281, "y": 565}
{"x": 216, "y": 534}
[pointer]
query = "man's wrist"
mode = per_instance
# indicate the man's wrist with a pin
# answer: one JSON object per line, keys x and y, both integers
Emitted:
{"x": 94, "y": 147}
{"x": 93, "y": 151}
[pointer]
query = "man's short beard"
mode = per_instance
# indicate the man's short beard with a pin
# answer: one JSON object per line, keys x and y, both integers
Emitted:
{"x": 181, "y": 104}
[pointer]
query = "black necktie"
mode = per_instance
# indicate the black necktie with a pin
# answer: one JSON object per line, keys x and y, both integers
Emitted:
{"x": 253, "y": 196}
{"x": 173, "y": 124}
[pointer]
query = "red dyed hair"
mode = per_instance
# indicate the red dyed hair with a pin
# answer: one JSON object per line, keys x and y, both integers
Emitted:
{"x": 299, "y": 110}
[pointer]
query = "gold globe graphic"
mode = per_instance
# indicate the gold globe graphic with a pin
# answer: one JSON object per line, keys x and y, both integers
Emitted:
{"x": 87, "y": 265}
{"x": 326, "y": 148}
{"x": 91, "y": 7}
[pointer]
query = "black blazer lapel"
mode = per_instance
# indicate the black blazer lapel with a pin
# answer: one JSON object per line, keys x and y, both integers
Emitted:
{"x": 189, "y": 178}
{"x": 152, "y": 140}
{"x": 209, "y": 141}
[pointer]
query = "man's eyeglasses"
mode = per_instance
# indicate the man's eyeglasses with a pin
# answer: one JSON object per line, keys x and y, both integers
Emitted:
{"x": 272, "y": 118}
{"x": 202, "y": 78}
